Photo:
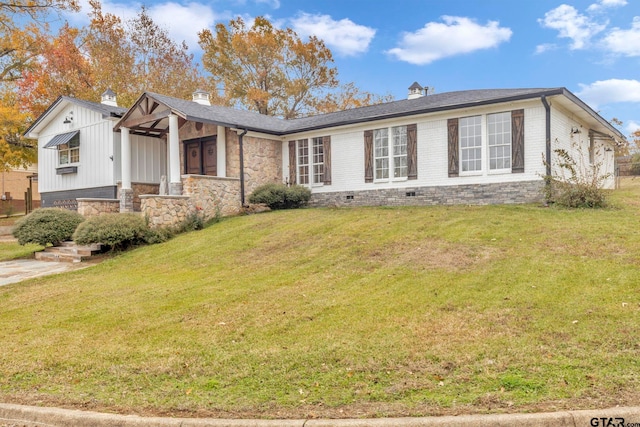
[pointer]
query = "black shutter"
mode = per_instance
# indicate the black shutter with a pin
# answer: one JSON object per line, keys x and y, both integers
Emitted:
{"x": 412, "y": 151}
{"x": 368, "y": 156}
{"x": 326, "y": 151}
{"x": 517, "y": 141}
{"x": 452, "y": 135}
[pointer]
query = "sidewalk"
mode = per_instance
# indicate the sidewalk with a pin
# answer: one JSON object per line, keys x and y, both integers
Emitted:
{"x": 30, "y": 416}
{"x": 22, "y": 269}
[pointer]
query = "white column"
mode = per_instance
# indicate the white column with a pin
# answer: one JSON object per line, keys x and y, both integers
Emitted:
{"x": 125, "y": 158}
{"x": 221, "y": 143}
{"x": 175, "y": 185}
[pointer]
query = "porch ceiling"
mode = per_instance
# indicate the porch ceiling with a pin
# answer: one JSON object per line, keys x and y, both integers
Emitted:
{"x": 149, "y": 117}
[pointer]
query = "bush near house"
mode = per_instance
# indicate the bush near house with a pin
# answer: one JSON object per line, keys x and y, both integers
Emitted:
{"x": 47, "y": 226}
{"x": 280, "y": 196}
{"x": 117, "y": 231}
{"x": 576, "y": 185}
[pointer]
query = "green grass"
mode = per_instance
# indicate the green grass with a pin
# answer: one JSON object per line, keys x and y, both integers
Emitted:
{"x": 12, "y": 250}
{"x": 344, "y": 312}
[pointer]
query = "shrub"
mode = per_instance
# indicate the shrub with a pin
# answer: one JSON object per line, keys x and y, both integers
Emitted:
{"x": 279, "y": 196}
{"x": 296, "y": 196}
{"x": 575, "y": 185}
{"x": 271, "y": 195}
{"x": 117, "y": 231}
{"x": 47, "y": 226}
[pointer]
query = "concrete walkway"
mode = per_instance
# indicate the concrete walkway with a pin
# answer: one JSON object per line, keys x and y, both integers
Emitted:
{"x": 22, "y": 269}
{"x": 30, "y": 416}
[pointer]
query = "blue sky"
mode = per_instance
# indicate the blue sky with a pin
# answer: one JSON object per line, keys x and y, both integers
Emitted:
{"x": 591, "y": 47}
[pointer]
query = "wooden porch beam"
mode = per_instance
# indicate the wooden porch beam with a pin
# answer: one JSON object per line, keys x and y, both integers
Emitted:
{"x": 146, "y": 119}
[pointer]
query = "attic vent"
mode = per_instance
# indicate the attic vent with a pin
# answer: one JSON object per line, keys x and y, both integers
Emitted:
{"x": 201, "y": 97}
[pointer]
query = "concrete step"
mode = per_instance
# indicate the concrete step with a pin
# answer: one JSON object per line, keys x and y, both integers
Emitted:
{"x": 68, "y": 252}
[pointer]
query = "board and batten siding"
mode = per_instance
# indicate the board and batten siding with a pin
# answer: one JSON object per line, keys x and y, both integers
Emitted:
{"x": 148, "y": 159}
{"x": 347, "y": 150}
{"x": 95, "y": 168}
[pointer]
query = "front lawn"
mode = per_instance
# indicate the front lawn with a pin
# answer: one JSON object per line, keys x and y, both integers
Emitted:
{"x": 343, "y": 313}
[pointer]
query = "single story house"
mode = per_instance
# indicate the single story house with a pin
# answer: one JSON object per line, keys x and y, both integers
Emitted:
{"x": 169, "y": 157}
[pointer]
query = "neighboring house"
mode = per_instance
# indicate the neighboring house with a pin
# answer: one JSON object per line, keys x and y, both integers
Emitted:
{"x": 474, "y": 147}
{"x": 18, "y": 185}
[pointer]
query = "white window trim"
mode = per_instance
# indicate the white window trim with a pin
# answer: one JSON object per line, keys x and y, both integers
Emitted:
{"x": 484, "y": 170}
{"x": 70, "y": 163}
{"x": 310, "y": 164}
{"x": 390, "y": 157}
{"x": 483, "y": 148}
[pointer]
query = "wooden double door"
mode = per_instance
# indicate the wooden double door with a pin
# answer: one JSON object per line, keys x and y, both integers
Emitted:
{"x": 201, "y": 156}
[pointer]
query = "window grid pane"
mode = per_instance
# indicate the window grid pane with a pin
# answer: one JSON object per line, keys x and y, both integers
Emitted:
{"x": 318, "y": 161}
{"x": 399, "y": 151}
{"x": 381, "y": 153}
{"x": 69, "y": 152}
{"x": 470, "y": 143}
{"x": 303, "y": 162}
{"x": 499, "y": 136}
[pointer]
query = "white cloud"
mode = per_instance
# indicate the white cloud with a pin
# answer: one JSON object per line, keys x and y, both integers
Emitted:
{"x": 456, "y": 36}
{"x": 631, "y": 127}
{"x": 183, "y": 21}
{"x": 344, "y": 36}
{"x": 602, "y": 4}
{"x": 546, "y": 47}
{"x": 610, "y": 91}
{"x": 273, "y": 3}
{"x": 624, "y": 42}
{"x": 571, "y": 24}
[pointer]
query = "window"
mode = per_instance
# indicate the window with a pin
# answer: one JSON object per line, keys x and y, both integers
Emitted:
{"x": 69, "y": 152}
{"x": 303, "y": 162}
{"x": 499, "y": 135}
{"x": 471, "y": 143}
{"x": 318, "y": 161}
{"x": 390, "y": 158}
{"x": 310, "y": 164}
{"x": 381, "y": 153}
{"x": 310, "y": 161}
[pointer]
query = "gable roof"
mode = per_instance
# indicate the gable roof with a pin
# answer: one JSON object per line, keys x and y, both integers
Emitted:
{"x": 60, "y": 103}
{"x": 243, "y": 119}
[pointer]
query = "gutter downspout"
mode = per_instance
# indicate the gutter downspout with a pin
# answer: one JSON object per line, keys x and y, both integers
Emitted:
{"x": 240, "y": 142}
{"x": 547, "y": 108}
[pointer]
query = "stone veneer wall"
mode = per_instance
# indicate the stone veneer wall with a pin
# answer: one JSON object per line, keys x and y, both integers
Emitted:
{"x": 262, "y": 161}
{"x": 474, "y": 194}
{"x": 94, "y": 207}
{"x": 139, "y": 189}
{"x": 165, "y": 211}
{"x": 211, "y": 194}
{"x": 206, "y": 195}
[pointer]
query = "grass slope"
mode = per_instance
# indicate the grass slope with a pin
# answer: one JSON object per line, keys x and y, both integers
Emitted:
{"x": 343, "y": 312}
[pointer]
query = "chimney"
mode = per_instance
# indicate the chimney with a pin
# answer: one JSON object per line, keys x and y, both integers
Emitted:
{"x": 201, "y": 97}
{"x": 109, "y": 98}
{"x": 416, "y": 91}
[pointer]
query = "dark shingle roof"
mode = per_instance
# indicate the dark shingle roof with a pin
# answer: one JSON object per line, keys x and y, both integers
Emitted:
{"x": 243, "y": 119}
{"x": 406, "y": 107}
{"x": 105, "y": 110}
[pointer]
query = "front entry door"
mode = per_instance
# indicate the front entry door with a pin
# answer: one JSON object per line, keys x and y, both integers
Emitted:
{"x": 201, "y": 156}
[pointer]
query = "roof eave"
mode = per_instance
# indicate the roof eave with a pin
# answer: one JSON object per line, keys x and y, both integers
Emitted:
{"x": 427, "y": 111}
